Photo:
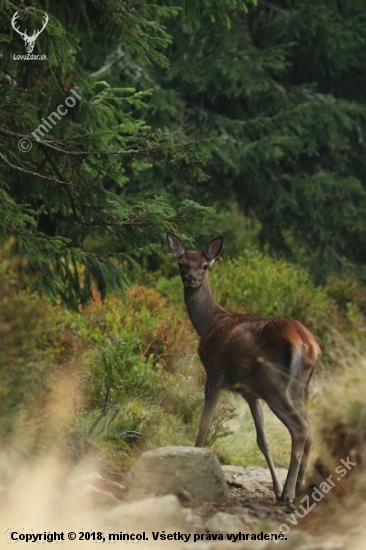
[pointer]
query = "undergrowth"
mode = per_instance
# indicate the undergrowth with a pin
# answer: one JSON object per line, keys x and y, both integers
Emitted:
{"x": 123, "y": 374}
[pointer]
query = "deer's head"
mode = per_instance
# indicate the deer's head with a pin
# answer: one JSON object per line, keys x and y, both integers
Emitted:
{"x": 193, "y": 264}
{"x": 29, "y": 40}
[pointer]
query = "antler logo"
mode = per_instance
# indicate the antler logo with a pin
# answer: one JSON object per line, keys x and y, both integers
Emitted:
{"x": 29, "y": 40}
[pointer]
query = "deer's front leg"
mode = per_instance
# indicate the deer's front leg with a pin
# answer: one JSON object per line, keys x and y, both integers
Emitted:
{"x": 212, "y": 392}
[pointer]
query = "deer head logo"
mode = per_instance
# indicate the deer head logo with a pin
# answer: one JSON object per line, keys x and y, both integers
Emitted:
{"x": 29, "y": 40}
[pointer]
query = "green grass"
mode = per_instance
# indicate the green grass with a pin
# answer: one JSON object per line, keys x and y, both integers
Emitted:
{"x": 240, "y": 447}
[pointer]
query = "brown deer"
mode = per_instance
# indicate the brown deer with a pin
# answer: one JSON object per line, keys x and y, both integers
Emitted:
{"x": 269, "y": 359}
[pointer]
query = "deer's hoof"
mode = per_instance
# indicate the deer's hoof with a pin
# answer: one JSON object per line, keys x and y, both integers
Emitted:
{"x": 287, "y": 498}
{"x": 278, "y": 490}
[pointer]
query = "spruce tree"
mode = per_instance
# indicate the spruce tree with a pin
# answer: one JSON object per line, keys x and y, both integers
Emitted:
{"x": 71, "y": 142}
{"x": 284, "y": 90}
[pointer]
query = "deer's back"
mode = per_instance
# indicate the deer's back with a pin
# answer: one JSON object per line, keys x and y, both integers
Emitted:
{"x": 243, "y": 345}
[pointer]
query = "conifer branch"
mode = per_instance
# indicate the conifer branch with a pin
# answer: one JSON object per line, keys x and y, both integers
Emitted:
{"x": 143, "y": 151}
{"x": 135, "y": 221}
{"x": 37, "y": 174}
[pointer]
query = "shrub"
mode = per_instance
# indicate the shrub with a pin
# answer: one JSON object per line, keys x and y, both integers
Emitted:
{"x": 37, "y": 362}
{"x": 144, "y": 375}
{"x": 349, "y": 296}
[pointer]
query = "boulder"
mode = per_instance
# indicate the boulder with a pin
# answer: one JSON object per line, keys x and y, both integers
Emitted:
{"x": 175, "y": 469}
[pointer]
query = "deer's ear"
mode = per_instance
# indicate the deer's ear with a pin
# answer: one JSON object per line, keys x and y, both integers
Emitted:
{"x": 214, "y": 248}
{"x": 175, "y": 245}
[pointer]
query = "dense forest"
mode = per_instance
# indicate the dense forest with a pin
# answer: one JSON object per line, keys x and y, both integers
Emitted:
{"x": 120, "y": 121}
{"x": 179, "y": 111}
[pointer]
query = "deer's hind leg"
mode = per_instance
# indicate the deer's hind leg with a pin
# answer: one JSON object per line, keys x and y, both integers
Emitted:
{"x": 280, "y": 404}
{"x": 299, "y": 392}
{"x": 262, "y": 441}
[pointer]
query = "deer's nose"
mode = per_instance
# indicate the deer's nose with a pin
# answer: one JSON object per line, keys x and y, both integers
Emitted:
{"x": 189, "y": 279}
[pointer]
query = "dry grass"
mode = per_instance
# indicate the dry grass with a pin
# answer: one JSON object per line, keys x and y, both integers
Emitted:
{"x": 45, "y": 494}
{"x": 340, "y": 429}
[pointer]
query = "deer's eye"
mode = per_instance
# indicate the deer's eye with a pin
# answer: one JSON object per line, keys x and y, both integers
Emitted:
{"x": 205, "y": 267}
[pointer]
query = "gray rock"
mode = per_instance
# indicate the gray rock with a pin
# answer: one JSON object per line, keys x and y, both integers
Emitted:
{"x": 150, "y": 514}
{"x": 175, "y": 469}
{"x": 248, "y": 521}
{"x": 194, "y": 522}
{"x": 98, "y": 489}
{"x": 224, "y": 523}
{"x": 112, "y": 486}
{"x": 98, "y": 498}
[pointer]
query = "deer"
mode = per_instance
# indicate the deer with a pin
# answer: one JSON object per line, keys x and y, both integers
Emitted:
{"x": 262, "y": 359}
{"x": 29, "y": 40}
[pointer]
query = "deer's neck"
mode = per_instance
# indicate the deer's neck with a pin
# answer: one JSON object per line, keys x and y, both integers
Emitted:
{"x": 201, "y": 306}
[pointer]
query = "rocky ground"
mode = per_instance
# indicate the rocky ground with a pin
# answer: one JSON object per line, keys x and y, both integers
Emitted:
{"x": 173, "y": 497}
{"x": 183, "y": 490}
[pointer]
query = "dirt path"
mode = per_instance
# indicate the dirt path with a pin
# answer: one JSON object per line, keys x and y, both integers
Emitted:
{"x": 253, "y": 508}
{"x": 252, "y": 496}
